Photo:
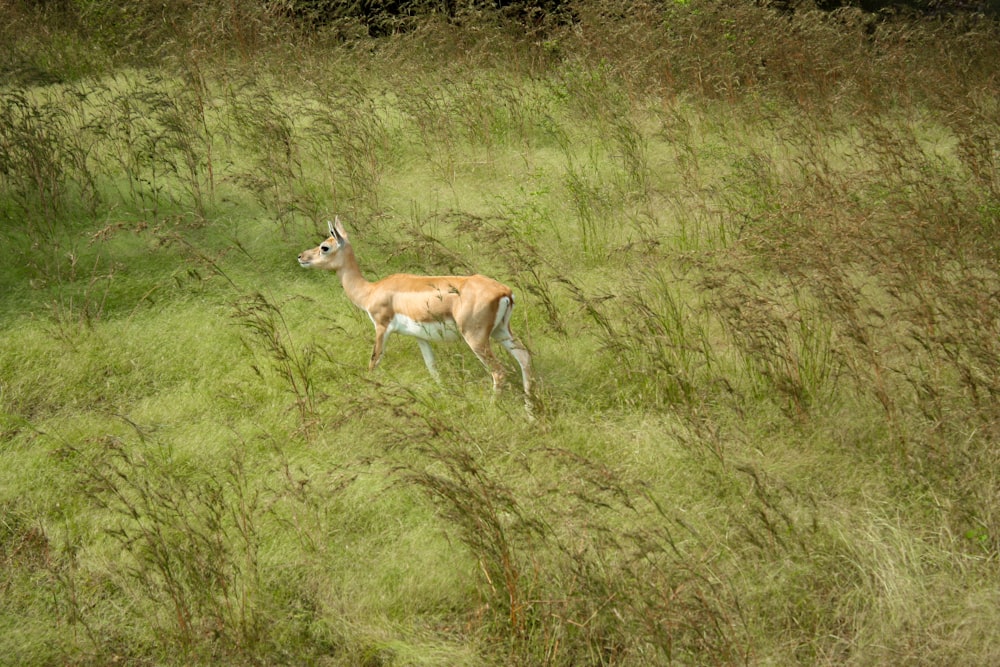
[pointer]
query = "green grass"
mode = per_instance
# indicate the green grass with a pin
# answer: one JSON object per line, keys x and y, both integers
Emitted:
{"x": 760, "y": 292}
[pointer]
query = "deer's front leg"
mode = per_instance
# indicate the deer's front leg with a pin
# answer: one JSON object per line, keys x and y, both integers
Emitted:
{"x": 381, "y": 335}
{"x": 428, "y": 352}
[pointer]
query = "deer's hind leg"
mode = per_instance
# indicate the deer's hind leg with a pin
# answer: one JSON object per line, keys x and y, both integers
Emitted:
{"x": 523, "y": 359}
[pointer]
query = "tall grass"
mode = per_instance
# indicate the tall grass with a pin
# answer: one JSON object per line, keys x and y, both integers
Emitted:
{"x": 193, "y": 544}
{"x": 754, "y": 256}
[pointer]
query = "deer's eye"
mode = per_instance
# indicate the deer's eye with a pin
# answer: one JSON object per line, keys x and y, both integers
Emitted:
{"x": 325, "y": 248}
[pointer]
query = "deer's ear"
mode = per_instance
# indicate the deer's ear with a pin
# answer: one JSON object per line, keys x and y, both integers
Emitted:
{"x": 335, "y": 233}
{"x": 338, "y": 227}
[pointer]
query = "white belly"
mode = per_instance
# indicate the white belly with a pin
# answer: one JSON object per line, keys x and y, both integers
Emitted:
{"x": 434, "y": 330}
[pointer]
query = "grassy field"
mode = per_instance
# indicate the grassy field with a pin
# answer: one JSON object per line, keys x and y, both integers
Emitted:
{"x": 756, "y": 259}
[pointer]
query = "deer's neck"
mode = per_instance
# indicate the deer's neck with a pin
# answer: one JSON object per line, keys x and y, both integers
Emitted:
{"x": 355, "y": 285}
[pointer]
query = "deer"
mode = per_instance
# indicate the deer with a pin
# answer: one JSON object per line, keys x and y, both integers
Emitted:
{"x": 475, "y": 308}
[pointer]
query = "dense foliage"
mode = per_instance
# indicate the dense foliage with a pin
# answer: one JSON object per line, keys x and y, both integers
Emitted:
{"x": 755, "y": 253}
